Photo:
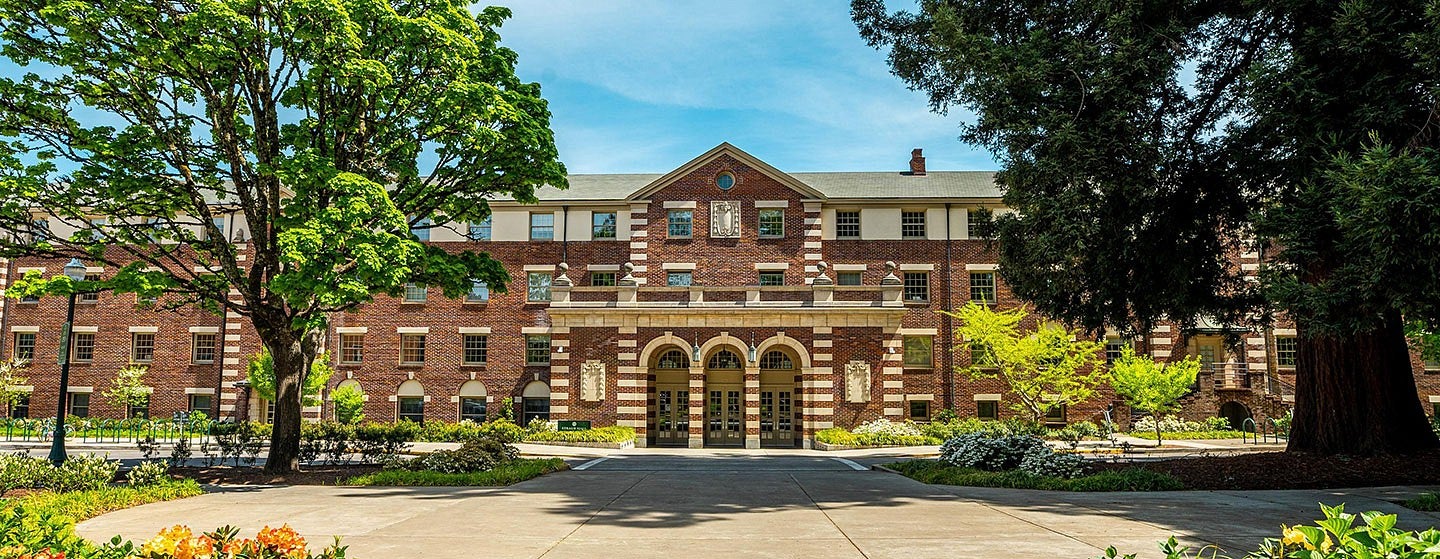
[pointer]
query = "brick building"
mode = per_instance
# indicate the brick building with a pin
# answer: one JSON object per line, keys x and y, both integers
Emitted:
{"x": 724, "y": 303}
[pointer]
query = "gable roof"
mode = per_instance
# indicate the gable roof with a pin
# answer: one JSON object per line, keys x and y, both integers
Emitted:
{"x": 828, "y": 185}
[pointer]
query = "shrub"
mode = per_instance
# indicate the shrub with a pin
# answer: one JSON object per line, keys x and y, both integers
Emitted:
{"x": 79, "y": 474}
{"x": 1046, "y": 462}
{"x": 841, "y": 437}
{"x": 1130, "y": 479}
{"x": 502, "y": 429}
{"x": 1171, "y": 424}
{"x": 476, "y": 455}
{"x": 988, "y": 452}
{"x": 887, "y": 428}
{"x": 1217, "y": 424}
{"x": 149, "y": 473}
{"x": 507, "y": 473}
{"x": 80, "y": 505}
{"x": 1184, "y": 435}
{"x": 1428, "y": 502}
{"x": 21, "y": 471}
{"x": 1338, "y": 535}
{"x": 612, "y": 434}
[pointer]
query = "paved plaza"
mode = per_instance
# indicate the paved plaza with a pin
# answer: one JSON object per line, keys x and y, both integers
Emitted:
{"x": 719, "y": 504}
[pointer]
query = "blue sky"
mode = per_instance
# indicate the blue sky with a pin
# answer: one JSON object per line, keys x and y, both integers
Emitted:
{"x": 646, "y": 85}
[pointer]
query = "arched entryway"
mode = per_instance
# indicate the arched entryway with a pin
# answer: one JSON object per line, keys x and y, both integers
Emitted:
{"x": 535, "y": 403}
{"x": 777, "y": 399}
{"x": 724, "y": 397}
{"x": 472, "y": 401}
{"x": 669, "y": 408}
{"x": 410, "y": 401}
{"x": 1235, "y": 412}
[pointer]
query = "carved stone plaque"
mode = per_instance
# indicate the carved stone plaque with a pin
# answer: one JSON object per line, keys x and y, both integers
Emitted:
{"x": 592, "y": 381}
{"x": 725, "y": 219}
{"x": 857, "y": 382}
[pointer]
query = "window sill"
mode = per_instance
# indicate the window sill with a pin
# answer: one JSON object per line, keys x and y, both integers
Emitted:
{"x": 537, "y": 364}
{"x": 416, "y": 364}
{"x": 918, "y": 368}
{"x": 1288, "y": 369}
{"x": 416, "y": 303}
{"x": 477, "y": 303}
{"x": 473, "y": 365}
{"x": 351, "y": 363}
{"x": 196, "y": 363}
{"x": 924, "y": 303}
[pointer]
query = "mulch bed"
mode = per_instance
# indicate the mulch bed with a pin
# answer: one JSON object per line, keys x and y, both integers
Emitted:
{"x": 310, "y": 475}
{"x": 1293, "y": 470}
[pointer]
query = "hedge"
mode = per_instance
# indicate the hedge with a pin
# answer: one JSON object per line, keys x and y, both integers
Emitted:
{"x": 613, "y": 434}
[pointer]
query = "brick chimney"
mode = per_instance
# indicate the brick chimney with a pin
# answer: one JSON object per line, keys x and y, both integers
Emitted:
{"x": 917, "y": 162}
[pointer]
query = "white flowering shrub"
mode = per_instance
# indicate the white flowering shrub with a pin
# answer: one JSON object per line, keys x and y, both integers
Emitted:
{"x": 1046, "y": 462}
{"x": 1172, "y": 424}
{"x": 990, "y": 452}
{"x": 887, "y": 428}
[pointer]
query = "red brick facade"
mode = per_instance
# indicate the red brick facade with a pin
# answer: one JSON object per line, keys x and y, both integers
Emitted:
{"x": 835, "y": 337}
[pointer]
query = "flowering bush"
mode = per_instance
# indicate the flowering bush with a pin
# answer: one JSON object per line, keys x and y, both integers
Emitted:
{"x": 1046, "y": 462}
{"x": 887, "y": 428}
{"x": 149, "y": 473}
{"x": 1172, "y": 424}
{"x": 1337, "y": 536}
{"x": 79, "y": 473}
{"x": 994, "y": 453}
{"x": 179, "y": 542}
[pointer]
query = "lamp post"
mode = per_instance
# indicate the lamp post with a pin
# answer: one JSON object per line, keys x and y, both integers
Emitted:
{"x": 75, "y": 270}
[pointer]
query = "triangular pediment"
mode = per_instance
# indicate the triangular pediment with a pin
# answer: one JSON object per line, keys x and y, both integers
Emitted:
{"x": 722, "y": 150}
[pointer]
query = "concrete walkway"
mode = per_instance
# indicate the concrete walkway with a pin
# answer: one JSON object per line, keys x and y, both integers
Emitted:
{"x": 649, "y": 504}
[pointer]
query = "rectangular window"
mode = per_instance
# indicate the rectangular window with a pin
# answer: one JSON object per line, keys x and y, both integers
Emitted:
{"x": 25, "y": 345}
{"x": 202, "y": 348}
{"x": 537, "y": 287}
{"x": 79, "y": 404}
{"x": 1285, "y": 349}
{"x": 678, "y": 279}
{"x": 602, "y": 225}
{"x": 918, "y": 351}
{"x": 269, "y": 408}
{"x": 200, "y": 403}
{"x": 472, "y": 409}
{"x": 20, "y": 408}
{"x": 912, "y": 225}
{"x": 917, "y": 287}
{"x": 772, "y": 278}
{"x": 981, "y": 355}
{"x": 479, "y": 231}
{"x": 679, "y": 223}
{"x": 415, "y": 293}
{"x": 30, "y": 299}
{"x": 412, "y": 408}
{"x": 421, "y": 229}
{"x": 142, "y": 347}
{"x": 847, "y": 225}
{"x": 40, "y": 229}
{"x": 542, "y": 226}
{"x": 1114, "y": 348}
{"x": 89, "y": 296}
{"x": 976, "y": 226}
{"x": 987, "y": 410}
{"x": 1056, "y": 416}
{"x": 475, "y": 350}
{"x": 479, "y": 292}
{"x": 82, "y": 347}
{"x": 919, "y": 410}
{"x": 772, "y": 223}
{"x": 602, "y": 279}
{"x": 219, "y": 226}
{"x": 982, "y": 287}
{"x": 537, "y": 350}
{"x": 139, "y": 411}
{"x": 352, "y": 348}
{"x": 412, "y": 349}
{"x": 848, "y": 278}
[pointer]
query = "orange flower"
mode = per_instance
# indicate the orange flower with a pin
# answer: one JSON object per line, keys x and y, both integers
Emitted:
{"x": 282, "y": 540}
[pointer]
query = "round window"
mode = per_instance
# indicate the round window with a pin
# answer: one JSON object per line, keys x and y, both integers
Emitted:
{"x": 725, "y": 181}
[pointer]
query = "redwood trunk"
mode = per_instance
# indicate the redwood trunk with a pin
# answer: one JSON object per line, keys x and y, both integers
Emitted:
{"x": 292, "y": 354}
{"x": 1356, "y": 394}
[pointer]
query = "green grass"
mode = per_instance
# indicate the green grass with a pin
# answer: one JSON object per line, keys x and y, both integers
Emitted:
{"x": 1428, "y": 502}
{"x": 507, "y": 473}
{"x": 81, "y": 505}
{"x": 1184, "y": 435}
{"x": 1132, "y": 479}
{"x": 613, "y": 434}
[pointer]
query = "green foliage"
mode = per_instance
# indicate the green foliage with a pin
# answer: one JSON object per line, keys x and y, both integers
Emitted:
{"x": 842, "y": 437}
{"x": 1338, "y": 535}
{"x": 349, "y": 400}
{"x": 1044, "y": 369}
{"x": 12, "y": 376}
{"x": 475, "y": 455}
{"x": 1428, "y": 502}
{"x": 149, "y": 472}
{"x": 1192, "y": 435}
{"x": 611, "y": 434}
{"x": 946, "y": 430}
{"x": 1129, "y": 479}
{"x": 79, "y": 473}
{"x": 508, "y": 473}
{"x": 507, "y": 410}
{"x": 41, "y": 521}
{"x": 128, "y": 388}
{"x": 89, "y": 503}
{"x": 260, "y": 371}
{"x": 1151, "y": 387}
{"x": 21, "y": 471}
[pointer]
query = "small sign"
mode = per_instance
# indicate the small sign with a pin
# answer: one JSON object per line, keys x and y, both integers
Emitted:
{"x": 181, "y": 418}
{"x": 573, "y": 425}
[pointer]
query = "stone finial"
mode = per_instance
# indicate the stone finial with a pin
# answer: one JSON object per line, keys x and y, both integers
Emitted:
{"x": 890, "y": 277}
{"x": 563, "y": 280}
{"x": 822, "y": 279}
{"x": 629, "y": 279}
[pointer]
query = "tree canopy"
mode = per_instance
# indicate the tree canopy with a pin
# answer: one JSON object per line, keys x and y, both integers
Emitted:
{"x": 317, "y": 132}
{"x": 1148, "y": 147}
{"x": 1151, "y": 387}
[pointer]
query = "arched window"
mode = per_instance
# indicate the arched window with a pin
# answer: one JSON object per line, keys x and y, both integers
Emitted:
{"x": 724, "y": 359}
{"x": 410, "y": 401}
{"x": 535, "y": 402}
{"x": 472, "y": 401}
{"x": 776, "y": 360}
{"x": 673, "y": 359}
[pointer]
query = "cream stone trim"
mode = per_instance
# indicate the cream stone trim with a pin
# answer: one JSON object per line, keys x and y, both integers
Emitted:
{"x": 917, "y": 267}
{"x": 210, "y": 391}
{"x": 352, "y": 330}
{"x": 772, "y": 203}
{"x": 1285, "y": 332}
{"x": 1161, "y": 353}
{"x": 539, "y": 268}
{"x": 204, "y": 329}
{"x": 772, "y": 265}
{"x": 81, "y": 389}
{"x": 681, "y": 266}
{"x": 1434, "y": 398}
{"x": 474, "y": 329}
{"x": 144, "y": 329}
{"x": 25, "y": 388}
{"x": 412, "y": 329}
{"x": 919, "y": 331}
{"x": 85, "y": 329}
{"x": 1161, "y": 329}
{"x": 94, "y": 269}
{"x": 987, "y": 397}
{"x": 920, "y": 397}
{"x": 602, "y": 267}
{"x": 23, "y": 271}
{"x": 980, "y": 267}
{"x": 535, "y": 330}
{"x": 679, "y": 205}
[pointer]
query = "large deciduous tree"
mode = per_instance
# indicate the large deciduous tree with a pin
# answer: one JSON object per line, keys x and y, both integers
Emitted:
{"x": 330, "y": 126}
{"x": 1151, "y": 387}
{"x": 1146, "y": 145}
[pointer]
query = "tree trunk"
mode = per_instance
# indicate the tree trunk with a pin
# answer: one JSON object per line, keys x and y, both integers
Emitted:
{"x": 1356, "y": 394}
{"x": 293, "y": 352}
{"x": 1159, "y": 441}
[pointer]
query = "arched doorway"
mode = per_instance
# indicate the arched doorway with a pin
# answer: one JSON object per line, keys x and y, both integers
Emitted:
{"x": 1236, "y": 413}
{"x": 535, "y": 403}
{"x": 777, "y": 399}
{"x": 669, "y": 417}
{"x": 724, "y": 398}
